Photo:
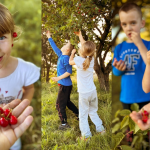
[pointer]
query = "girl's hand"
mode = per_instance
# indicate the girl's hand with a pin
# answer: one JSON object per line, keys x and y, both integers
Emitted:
{"x": 137, "y": 118}
{"x": 73, "y": 51}
{"x": 11, "y": 133}
{"x": 78, "y": 33}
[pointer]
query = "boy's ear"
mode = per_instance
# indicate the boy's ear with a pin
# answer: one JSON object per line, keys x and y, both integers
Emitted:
{"x": 143, "y": 23}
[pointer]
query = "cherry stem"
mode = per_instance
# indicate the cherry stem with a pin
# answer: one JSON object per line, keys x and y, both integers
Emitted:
{"x": 9, "y": 113}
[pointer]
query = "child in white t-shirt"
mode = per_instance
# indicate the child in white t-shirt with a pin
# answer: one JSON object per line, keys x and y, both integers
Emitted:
{"x": 88, "y": 101}
{"x": 16, "y": 75}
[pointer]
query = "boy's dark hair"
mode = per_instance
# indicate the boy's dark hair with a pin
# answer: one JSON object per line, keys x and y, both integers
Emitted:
{"x": 129, "y": 6}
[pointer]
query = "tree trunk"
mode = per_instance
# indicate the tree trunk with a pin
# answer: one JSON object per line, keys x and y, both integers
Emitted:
{"x": 47, "y": 74}
{"x": 103, "y": 80}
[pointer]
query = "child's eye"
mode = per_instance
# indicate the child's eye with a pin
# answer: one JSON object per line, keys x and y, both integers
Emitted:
{"x": 2, "y": 37}
{"x": 133, "y": 23}
{"x": 124, "y": 24}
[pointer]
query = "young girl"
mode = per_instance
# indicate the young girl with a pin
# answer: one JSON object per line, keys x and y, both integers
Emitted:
{"x": 88, "y": 101}
{"x": 16, "y": 75}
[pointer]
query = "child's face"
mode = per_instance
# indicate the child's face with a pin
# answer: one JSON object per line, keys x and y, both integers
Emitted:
{"x": 131, "y": 21}
{"x": 5, "y": 48}
{"x": 66, "y": 48}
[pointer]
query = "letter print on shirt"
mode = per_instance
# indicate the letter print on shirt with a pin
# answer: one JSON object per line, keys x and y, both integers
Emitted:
{"x": 131, "y": 60}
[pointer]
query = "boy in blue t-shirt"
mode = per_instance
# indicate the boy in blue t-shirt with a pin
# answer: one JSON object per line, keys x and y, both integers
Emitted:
{"x": 63, "y": 78}
{"x": 130, "y": 57}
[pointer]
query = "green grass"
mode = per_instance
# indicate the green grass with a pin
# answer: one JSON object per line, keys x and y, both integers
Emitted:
{"x": 54, "y": 139}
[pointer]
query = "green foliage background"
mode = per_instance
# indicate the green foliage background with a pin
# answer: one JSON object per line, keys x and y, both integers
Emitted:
{"x": 27, "y": 15}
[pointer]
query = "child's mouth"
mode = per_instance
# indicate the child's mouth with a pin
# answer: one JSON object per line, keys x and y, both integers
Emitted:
{"x": 1, "y": 57}
{"x": 129, "y": 34}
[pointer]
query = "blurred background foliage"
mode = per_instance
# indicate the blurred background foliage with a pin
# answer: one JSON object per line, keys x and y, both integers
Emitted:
{"x": 27, "y": 15}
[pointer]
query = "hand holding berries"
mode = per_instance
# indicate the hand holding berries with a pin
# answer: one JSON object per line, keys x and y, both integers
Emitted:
{"x": 141, "y": 118}
{"x": 145, "y": 116}
{"x": 6, "y": 118}
{"x": 19, "y": 119}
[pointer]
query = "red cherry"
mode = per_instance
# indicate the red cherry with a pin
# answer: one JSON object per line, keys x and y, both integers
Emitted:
{"x": 99, "y": 10}
{"x": 1, "y": 110}
{"x": 14, "y": 34}
{"x": 145, "y": 113}
{"x": 78, "y": 7}
{"x": 79, "y": 4}
{"x": 144, "y": 119}
{"x": 3, "y": 122}
{"x": 7, "y": 113}
{"x": 13, "y": 120}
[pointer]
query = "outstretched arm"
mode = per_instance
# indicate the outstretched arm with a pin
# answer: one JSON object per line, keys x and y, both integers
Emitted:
{"x": 71, "y": 61}
{"x": 80, "y": 37}
{"x": 53, "y": 45}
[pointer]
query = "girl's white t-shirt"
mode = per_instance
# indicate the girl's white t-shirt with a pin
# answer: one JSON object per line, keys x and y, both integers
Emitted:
{"x": 25, "y": 74}
{"x": 85, "y": 81}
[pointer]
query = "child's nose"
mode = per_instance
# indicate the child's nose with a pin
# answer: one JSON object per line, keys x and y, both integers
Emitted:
{"x": 129, "y": 27}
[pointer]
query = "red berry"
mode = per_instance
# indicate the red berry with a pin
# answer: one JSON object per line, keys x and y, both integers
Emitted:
{"x": 3, "y": 122}
{"x": 144, "y": 119}
{"x": 79, "y": 4}
{"x": 13, "y": 120}
{"x": 145, "y": 113}
{"x": 7, "y": 113}
{"x": 78, "y": 7}
{"x": 1, "y": 110}
{"x": 99, "y": 10}
{"x": 78, "y": 12}
{"x": 14, "y": 34}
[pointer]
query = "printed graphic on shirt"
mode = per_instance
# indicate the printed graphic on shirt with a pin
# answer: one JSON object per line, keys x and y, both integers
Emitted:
{"x": 7, "y": 99}
{"x": 131, "y": 60}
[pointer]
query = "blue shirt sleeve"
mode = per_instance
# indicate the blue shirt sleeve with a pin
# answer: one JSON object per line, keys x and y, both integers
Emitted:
{"x": 67, "y": 66}
{"x": 115, "y": 71}
{"x": 54, "y": 47}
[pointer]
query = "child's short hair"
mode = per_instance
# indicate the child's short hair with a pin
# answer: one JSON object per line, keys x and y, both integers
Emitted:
{"x": 129, "y": 6}
{"x": 6, "y": 21}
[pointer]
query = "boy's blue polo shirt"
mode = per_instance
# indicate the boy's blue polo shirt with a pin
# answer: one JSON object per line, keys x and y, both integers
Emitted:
{"x": 62, "y": 64}
{"x": 131, "y": 78}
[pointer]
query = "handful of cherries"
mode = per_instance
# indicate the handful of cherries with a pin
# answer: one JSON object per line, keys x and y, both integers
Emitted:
{"x": 145, "y": 116}
{"x": 6, "y": 118}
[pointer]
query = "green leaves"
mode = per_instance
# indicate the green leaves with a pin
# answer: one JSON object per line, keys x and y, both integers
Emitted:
{"x": 117, "y": 139}
{"x": 125, "y": 122}
{"x": 124, "y": 112}
{"x": 125, "y": 147}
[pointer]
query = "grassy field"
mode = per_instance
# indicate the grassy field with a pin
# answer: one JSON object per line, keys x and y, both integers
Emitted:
{"x": 54, "y": 139}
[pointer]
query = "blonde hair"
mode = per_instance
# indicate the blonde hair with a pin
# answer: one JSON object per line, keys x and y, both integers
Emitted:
{"x": 88, "y": 49}
{"x": 6, "y": 21}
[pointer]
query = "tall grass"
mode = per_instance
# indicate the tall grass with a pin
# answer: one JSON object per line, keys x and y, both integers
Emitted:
{"x": 54, "y": 139}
